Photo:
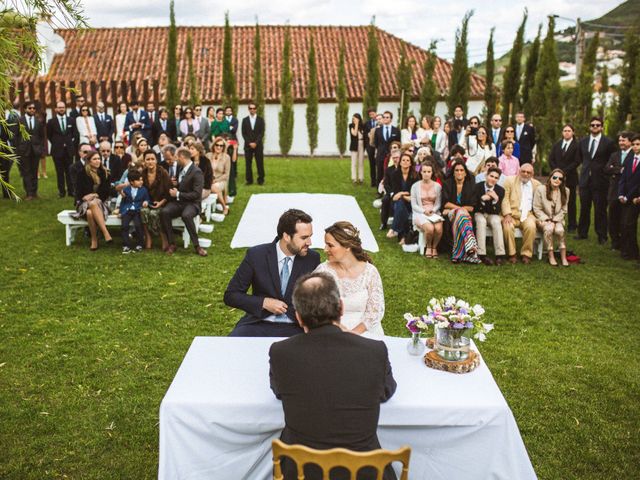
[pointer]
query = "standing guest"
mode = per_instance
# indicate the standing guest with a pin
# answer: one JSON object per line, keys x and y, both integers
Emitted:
{"x": 157, "y": 181}
{"x": 151, "y": 111}
{"x": 425, "y": 144}
{"x": 385, "y": 188}
{"x": 61, "y": 133}
{"x": 204, "y": 133}
{"x": 77, "y": 109}
{"x": 10, "y": 139}
{"x": 29, "y": 150}
{"x": 121, "y": 118}
{"x": 135, "y": 197}
{"x": 565, "y": 155}
{"x": 497, "y": 132}
{"x": 490, "y": 162}
{"x": 629, "y": 196}
{"x": 271, "y": 271}
{"x": 526, "y": 138}
{"x": 104, "y": 124}
{"x": 119, "y": 151}
{"x": 458, "y": 115}
{"x": 595, "y": 151}
{"x": 76, "y": 169}
{"x": 426, "y": 199}
{"x": 163, "y": 125}
{"x": 614, "y": 169}
{"x": 221, "y": 168}
{"x": 200, "y": 160}
{"x": 517, "y": 212}
{"x": 509, "y": 134}
{"x": 489, "y": 196}
{"x": 509, "y": 164}
{"x": 178, "y": 116}
{"x": 110, "y": 162}
{"x": 137, "y": 120}
{"x": 459, "y": 201}
{"x": 439, "y": 137}
{"x": 232, "y": 149}
{"x": 456, "y": 133}
{"x": 211, "y": 114}
{"x": 369, "y": 145}
{"x": 86, "y": 127}
{"x": 220, "y": 126}
{"x": 483, "y": 149}
{"x": 92, "y": 192}
{"x": 356, "y": 147}
{"x": 550, "y": 208}
{"x": 185, "y": 200}
{"x": 409, "y": 134}
{"x": 402, "y": 179}
{"x": 385, "y": 134}
{"x": 425, "y": 132}
{"x": 253, "y": 134}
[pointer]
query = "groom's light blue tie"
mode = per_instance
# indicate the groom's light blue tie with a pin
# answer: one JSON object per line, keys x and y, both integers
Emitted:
{"x": 285, "y": 273}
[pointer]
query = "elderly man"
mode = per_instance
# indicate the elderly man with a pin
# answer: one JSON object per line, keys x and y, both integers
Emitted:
{"x": 110, "y": 162}
{"x": 517, "y": 212}
{"x": 104, "y": 124}
{"x": 329, "y": 363}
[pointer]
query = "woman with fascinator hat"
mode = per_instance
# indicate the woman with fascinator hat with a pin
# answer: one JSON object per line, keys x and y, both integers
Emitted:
{"x": 358, "y": 279}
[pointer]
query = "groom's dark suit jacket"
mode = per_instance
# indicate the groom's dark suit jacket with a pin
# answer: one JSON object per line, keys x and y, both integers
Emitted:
{"x": 259, "y": 270}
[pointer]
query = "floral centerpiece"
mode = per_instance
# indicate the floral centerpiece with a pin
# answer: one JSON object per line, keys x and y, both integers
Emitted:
{"x": 417, "y": 325}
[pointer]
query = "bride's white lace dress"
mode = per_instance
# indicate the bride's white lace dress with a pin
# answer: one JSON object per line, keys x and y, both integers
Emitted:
{"x": 362, "y": 296}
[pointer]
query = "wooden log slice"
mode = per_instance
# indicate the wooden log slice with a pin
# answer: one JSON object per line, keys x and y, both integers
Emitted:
{"x": 433, "y": 360}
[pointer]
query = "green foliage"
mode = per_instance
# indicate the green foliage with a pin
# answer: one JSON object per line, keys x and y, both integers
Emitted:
{"x": 604, "y": 88}
{"x": 312, "y": 100}
{"x": 286, "y": 97}
{"x": 342, "y": 108}
{"x": 229, "y": 96}
{"x": 460, "y": 75}
{"x": 403, "y": 80}
{"x": 584, "y": 89}
{"x": 173, "y": 96}
{"x": 429, "y": 92}
{"x": 630, "y": 68}
{"x": 530, "y": 75}
{"x": 635, "y": 102}
{"x": 490, "y": 94}
{"x": 194, "y": 96}
{"x": 511, "y": 78}
{"x": 258, "y": 81}
{"x": 372, "y": 80}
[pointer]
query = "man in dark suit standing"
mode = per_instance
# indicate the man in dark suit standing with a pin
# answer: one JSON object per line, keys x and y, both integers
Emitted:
{"x": 253, "y": 134}
{"x": 61, "y": 132}
{"x": 232, "y": 149}
{"x": 75, "y": 111}
{"x": 629, "y": 197}
{"x": 613, "y": 169}
{"x": 329, "y": 363}
{"x": 10, "y": 138}
{"x": 497, "y": 131}
{"x": 271, "y": 270}
{"x": 369, "y": 147}
{"x": 526, "y": 137}
{"x": 29, "y": 150}
{"x": 385, "y": 134}
{"x": 105, "y": 125}
{"x": 565, "y": 154}
{"x": 595, "y": 150}
{"x": 185, "y": 202}
{"x": 137, "y": 120}
{"x": 163, "y": 125}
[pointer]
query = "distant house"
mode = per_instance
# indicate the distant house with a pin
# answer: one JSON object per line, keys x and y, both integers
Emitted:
{"x": 136, "y": 54}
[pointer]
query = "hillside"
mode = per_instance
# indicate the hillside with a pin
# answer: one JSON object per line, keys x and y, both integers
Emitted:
{"x": 627, "y": 14}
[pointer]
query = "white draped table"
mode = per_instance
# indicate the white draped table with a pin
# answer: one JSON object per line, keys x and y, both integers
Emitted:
{"x": 219, "y": 416}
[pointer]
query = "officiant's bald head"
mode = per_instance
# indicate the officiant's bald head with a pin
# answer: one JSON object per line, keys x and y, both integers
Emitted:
{"x": 316, "y": 299}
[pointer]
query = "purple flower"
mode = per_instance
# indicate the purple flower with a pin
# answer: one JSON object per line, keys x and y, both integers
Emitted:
{"x": 412, "y": 327}
{"x": 458, "y": 326}
{"x": 426, "y": 319}
{"x": 463, "y": 311}
{"x": 469, "y": 325}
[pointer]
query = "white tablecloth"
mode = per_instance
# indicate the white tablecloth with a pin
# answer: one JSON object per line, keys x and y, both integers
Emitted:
{"x": 260, "y": 217}
{"x": 219, "y": 416}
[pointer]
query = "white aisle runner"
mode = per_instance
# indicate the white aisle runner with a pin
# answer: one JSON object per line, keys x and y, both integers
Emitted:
{"x": 260, "y": 218}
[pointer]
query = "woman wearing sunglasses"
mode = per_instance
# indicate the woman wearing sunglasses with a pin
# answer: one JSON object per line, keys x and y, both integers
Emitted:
{"x": 550, "y": 208}
{"x": 221, "y": 166}
{"x": 86, "y": 126}
{"x": 509, "y": 134}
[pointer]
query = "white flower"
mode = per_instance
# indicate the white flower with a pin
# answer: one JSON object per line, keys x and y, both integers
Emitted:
{"x": 462, "y": 304}
{"x": 480, "y": 336}
{"x": 433, "y": 302}
{"x": 443, "y": 324}
{"x": 478, "y": 310}
{"x": 488, "y": 327}
{"x": 408, "y": 317}
{"x": 450, "y": 301}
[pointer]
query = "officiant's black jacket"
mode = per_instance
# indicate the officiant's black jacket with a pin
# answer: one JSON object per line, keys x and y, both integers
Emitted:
{"x": 331, "y": 384}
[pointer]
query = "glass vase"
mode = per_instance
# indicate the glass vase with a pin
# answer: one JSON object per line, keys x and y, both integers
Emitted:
{"x": 416, "y": 345}
{"x": 452, "y": 344}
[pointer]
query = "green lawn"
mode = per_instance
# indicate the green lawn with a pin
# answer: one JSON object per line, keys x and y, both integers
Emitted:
{"x": 91, "y": 340}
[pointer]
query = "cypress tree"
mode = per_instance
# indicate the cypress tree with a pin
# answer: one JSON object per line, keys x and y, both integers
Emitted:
{"x": 286, "y": 97}
{"x": 629, "y": 78}
{"x": 403, "y": 79}
{"x": 429, "y": 92}
{"x": 460, "y": 74}
{"x": 229, "y": 96}
{"x": 530, "y": 74}
{"x": 193, "y": 80}
{"x": 312, "y": 100}
{"x": 511, "y": 78}
{"x": 258, "y": 82}
{"x": 634, "y": 99}
{"x": 604, "y": 88}
{"x": 584, "y": 88}
{"x": 342, "y": 108}
{"x": 173, "y": 97}
{"x": 490, "y": 96}
{"x": 372, "y": 81}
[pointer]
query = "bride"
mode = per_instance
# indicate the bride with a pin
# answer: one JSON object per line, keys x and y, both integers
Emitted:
{"x": 359, "y": 281}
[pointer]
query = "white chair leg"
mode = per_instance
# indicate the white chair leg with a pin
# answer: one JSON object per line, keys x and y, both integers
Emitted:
{"x": 186, "y": 239}
{"x": 68, "y": 234}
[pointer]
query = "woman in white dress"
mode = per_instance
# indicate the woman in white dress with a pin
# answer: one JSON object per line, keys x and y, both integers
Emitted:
{"x": 121, "y": 117}
{"x": 358, "y": 280}
{"x": 86, "y": 126}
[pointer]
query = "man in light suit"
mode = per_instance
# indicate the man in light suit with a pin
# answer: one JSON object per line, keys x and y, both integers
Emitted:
{"x": 526, "y": 137}
{"x": 329, "y": 363}
{"x": 61, "y": 132}
{"x": 614, "y": 169}
{"x": 29, "y": 150}
{"x": 517, "y": 212}
{"x": 385, "y": 134}
{"x": 253, "y": 134}
{"x": 271, "y": 270}
{"x": 629, "y": 197}
{"x": 105, "y": 125}
{"x": 137, "y": 120}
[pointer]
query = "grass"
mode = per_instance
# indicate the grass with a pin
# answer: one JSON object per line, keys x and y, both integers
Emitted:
{"x": 92, "y": 340}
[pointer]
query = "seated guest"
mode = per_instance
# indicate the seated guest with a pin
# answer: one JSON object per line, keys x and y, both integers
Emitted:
{"x": 162, "y": 141}
{"x": 457, "y": 153}
{"x": 509, "y": 134}
{"x": 385, "y": 209}
{"x": 220, "y": 166}
{"x": 409, "y": 134}
{"x": 490, "y": 162}
{"x": 157, "y": 181}
{"x": 426, "y": 197}
{"x": 200, "y": 160}
{"x": 508, "y": 163}
{"x": 459, "y": 201}
{"x": 119, "y": 150}
{"x": 134, "y": 197}
{"x": 357, "y": 278}
{"x": 141, "y": 146}
{"x": 550, "y": 207}
{"x": 170, "y": 164}
{"x": 401, "y": 182}
{"x": 480, "y": 147}
{"x": 629, "y": 196}
{"x": 92, "y": 192}
{"x": 517, "y": 212}
{"x": 184, "y": 202}
{"x": 327, "y": 362}
{"x": 76, "y": 168}
{"x": 271, "y": 271}
{"x": 489, "y": 195}
{"x": 110, "y": 162}
{"x": 426, "y": 145}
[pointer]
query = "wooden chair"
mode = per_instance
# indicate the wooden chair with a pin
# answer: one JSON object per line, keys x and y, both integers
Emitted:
{"x": 338, "y": 457}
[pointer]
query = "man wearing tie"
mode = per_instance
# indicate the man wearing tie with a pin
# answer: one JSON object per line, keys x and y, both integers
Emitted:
{"x": 629, "y": 197}
{"x": 370, "y": 147}
{"x": 169, "y": 162}
{"x": 137, "y": 120}
{"x": 61, "y": 132}
{"x": 565, "y": 154}
{"x": 595, "y": 150}
{"x": 613, "y": 169}
{"x": 29, "y": 150}
{"x": 104, "y": 124}
{"x": 110, "y": 162}
{"x": 526, "y": 137}
{"x": 253, "y": 133}
{"x": 386, "y": 134}
{"x": 151, "y": 111}
{"x": 497, "y": 132}
{"x": 163, "y": 125}
{"x": 271, "y": 271}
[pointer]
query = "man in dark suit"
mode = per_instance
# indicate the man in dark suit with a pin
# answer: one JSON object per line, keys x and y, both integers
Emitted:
{"x": 105, "y": 125}
{"x": 110, "y": 162}
{"x": 629, "y": 197}
{"x": 253, "y": 133}
{"x": 497, "y": 130}
{"x": 84, "y": 149}
{"x": 526, "y": 137}
{"x": 385, "y": 134}
{"x": 595, "y": 150}
{"x": 613, "y": 169}
{"x": 61, "y": 132}
{"x": 10, "y": 137}
{"x": 137, "y": 120}
{"x": 369, "y": 147}
{"x": 329, "y": 363}
{"x": 29, "y": 150}
{"x": 75, "y": 111}
{"x": 169, "y": 161}
{"x": 163, "y": 125}
{"x": 232, "y": 149}
{"x": 565, "y": 154}
{"x": 185, "y": 202}
{"x": 271, "y": 270}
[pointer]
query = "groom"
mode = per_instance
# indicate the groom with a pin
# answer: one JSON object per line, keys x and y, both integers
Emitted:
{"x": 271, "y": 270}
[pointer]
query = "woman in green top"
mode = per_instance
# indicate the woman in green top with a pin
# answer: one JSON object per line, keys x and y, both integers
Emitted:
{"x": 220, "y": 126}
